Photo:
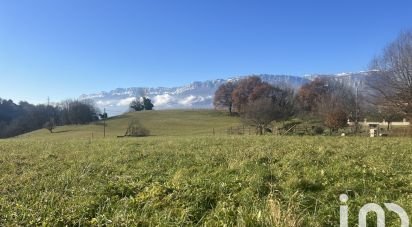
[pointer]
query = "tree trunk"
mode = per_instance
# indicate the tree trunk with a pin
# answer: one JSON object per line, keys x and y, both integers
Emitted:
{"x": 260, "y": 130}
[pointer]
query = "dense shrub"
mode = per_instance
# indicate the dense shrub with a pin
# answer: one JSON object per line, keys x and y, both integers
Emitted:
{"x": 317, "y": 130}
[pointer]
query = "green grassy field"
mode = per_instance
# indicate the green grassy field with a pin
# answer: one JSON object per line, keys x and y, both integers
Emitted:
{"x": 160, "y": 123}
{"x": 183, "y": 175}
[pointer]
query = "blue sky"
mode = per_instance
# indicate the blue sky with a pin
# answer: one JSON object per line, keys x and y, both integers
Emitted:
{"x": 63, "y": 49}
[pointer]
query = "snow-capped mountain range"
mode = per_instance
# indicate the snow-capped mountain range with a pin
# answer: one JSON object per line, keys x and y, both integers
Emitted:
{"x": 199, "y": 95}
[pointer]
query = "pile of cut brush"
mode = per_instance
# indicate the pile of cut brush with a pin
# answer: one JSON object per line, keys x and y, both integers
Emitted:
{"x": 136, "y": 129}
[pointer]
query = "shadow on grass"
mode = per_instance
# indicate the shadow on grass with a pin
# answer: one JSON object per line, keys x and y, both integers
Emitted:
{"x": 63, "y": 131}
{"x": 135, "y": 136}
{"x": 119, "y": 117}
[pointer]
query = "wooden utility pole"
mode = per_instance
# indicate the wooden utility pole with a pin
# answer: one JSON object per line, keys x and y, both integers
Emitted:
{"x": 104, "y": 123}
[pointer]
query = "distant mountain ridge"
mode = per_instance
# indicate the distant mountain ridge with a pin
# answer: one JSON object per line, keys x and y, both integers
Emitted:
{"x": 199, "y": 95}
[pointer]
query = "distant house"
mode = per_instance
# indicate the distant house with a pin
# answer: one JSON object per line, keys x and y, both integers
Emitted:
{"x": 383, "y": 123}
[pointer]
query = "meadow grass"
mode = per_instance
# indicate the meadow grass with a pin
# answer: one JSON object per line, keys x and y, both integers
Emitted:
{"x": 184, "y": 175}
{"x": 200, "y": 180}
{"x": 160, "y": 123}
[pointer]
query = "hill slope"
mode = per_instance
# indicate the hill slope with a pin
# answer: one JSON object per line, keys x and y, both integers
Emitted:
{"x": 184, "y": 176}
{"x": 160, "y": 123}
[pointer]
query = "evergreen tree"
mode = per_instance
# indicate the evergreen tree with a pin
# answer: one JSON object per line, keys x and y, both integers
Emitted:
{"x": 137, "y": 105}
{"x": 147, "y": 103}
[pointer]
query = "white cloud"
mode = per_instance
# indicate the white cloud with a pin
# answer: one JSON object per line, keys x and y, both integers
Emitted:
{"x": 106, "y": 102}
{"x": 125, "y": 102}
{"x": 189, "y": 100}
{"x": 162, "y": 100}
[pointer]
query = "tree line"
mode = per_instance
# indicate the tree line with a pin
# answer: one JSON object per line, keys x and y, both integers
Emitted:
{"x": 23, "y": 117}
{"x": 387, "y": 94}
{"x": 259, "y": 103}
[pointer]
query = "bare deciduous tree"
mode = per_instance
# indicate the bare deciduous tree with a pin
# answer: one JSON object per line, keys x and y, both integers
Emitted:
{"x": 310, "y": 94}
{"x": 336, "y": 105}
{"x": 243, "y": 90}
{"x": 50, "y": 125}
{"x": 259, "y": 113}
{"x": 272, "y": 104}
{"x": 391, "y": 82}
{"x": 336, "y": 119}
{"x": 223, "y": 96}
